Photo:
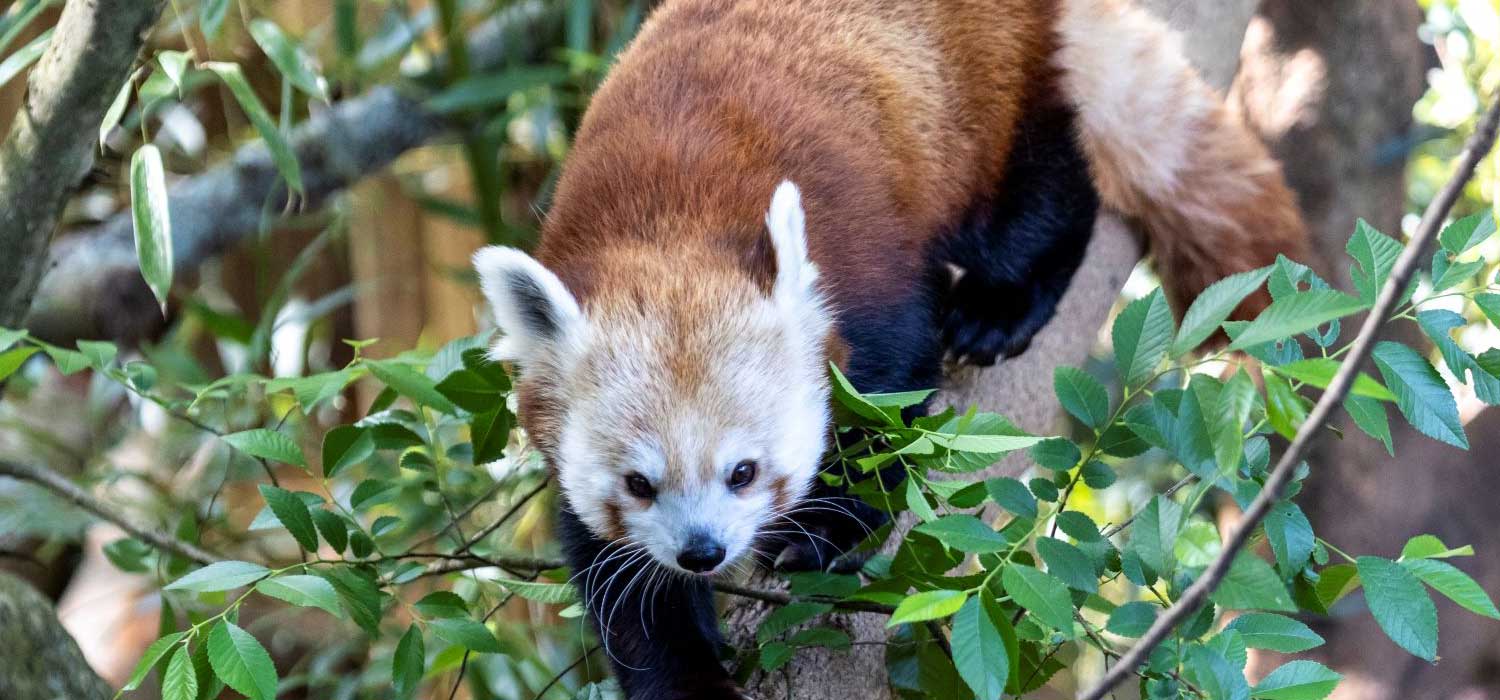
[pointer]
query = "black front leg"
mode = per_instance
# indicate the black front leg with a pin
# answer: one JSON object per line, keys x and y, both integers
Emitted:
{"x": 659, "y": 628}
{"x": 1008, "y": 267}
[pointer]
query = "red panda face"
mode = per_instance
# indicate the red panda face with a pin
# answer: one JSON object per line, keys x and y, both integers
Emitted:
{"x": 689, "y": 405}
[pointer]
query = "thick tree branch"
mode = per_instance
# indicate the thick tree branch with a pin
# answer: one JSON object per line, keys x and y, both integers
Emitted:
{"x": 92, "y": 287}
{"x": 51, "y": 142}
{"x": 1478, "y": 146}
{"x": 62, "y": 487}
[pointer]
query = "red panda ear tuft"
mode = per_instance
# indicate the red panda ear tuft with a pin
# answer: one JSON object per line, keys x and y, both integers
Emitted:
{"x": 532, "y": 307}
{"x": 787, "y": 224}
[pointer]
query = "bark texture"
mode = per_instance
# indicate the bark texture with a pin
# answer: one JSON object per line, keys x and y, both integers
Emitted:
{"x": 51, "y": 142}
{"x": 1021, "y": 388}
{"x": 1330, "y": 86}
{"x": 38, "y": 660}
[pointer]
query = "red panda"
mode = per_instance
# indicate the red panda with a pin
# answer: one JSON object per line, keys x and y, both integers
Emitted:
{"x": 762, "y": 187}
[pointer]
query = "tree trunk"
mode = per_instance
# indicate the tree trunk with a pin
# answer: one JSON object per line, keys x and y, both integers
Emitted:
{"x": 1330, "y": 86}
{"x": 38, "y": 660}
{"x": 1021, "y": 388}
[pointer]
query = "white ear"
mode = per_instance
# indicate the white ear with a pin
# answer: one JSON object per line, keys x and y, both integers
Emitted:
{"x": 795, "y": 273}
{"x": 532, "y": 307}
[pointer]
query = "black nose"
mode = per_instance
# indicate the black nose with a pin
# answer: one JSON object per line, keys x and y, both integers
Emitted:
{"x": 701, "y": 554}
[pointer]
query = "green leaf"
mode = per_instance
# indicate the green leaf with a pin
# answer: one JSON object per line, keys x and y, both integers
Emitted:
{"x": 979, "y": 651}
{"x": 1228, "y": 421}
{"x": 916, "y": 502}
{"x": 1154, "y": 534}
{"x": 1011, "y": 495}
{"x": 153, "y": 223}
{"x": 346, "y": 446}
{"x": 1286, "y": 410}
{"x": 1369, "y": 416}
{"x": 1295, "y": 314}
{"x": 965, "y": 533}
{"x": 1068, "y": 563}
{"x": 241, "y": 662}
{"x": 128, "y": 554}
{"x": 1275, "y": 632}
{"x": 1421, "y": 394}
{"x": 1057, "y": 454}
{"x": 1376, "y": 254}
{"x": 1251, "y": 584}
{"x": 180, "y": 682}
{"x": 1467, "y": 232}
{"x": 442, "y": 604}
{"x": 1045, "y": 595}
{"x": 67, "y": 361}
{"x": 467, "y": 633}
{"x": 1290, "y": 536}
{"x": 775, "y": 655}
{"x": 23, "y": 57}
{"x": 1430, "y": 547}
{"x": 220, "y": 576}
{"x": 495, "y": 89}
{"x": 358, "y": 591}
{"x": 1132, "y": 619}
{"x": 211, "y": 17}
{"x": 290, "y": 60}
{"x": 1297, "y": 680}
{"x": 786, "y": 617}
{"x": 489, "y": 433}
{"x": 154, "y": 654}
{"x": 549, "y": 593}
{"x": 1319, "y": 372}
{"x": 267, "y": 444}
{"x": 1141, "y": 334}
{"x": 281, "y": 152}
{"x": 101, "y": 354}
{"x": 12, "y": 359}
{"x": 470, "y": 391}
{"x": 1448, "y": 272}
{"x": 1213, "y": 306}
{"x": 1097, "y": 475}
{"x": 1439, "y": 325}
{"x": 303, "y": 590}
{"x": 293, "y": 514}
{"x": 1489, "y": 303}
{"x": 411, "y": 384}
{"x": 1335, "y": 582}
{"x": 332, "y": 528}
{"x": 1219, "y": 679}
{"x": 1400, "y": 605}
{"x": 927, "y": 605}
{"x": 408, "y": 663}
{"x": 1454, "y": 584}
{"x": 827, "y": 637}
{"x": 1081, "y": 395}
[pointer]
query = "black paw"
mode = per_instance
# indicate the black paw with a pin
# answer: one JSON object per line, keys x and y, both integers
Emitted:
{"x": 805, "y": 554}
{"x": 983, "y": 323}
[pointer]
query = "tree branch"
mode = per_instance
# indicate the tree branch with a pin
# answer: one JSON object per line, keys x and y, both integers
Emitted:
{"x": 1478, "y": 146}
{"x": 51, "y": 142}
{"x": 93, "y": 288}
{"x": 70, "y": 491}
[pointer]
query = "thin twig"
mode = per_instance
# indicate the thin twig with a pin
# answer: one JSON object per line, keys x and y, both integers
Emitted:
{"x": 514, "y": 508}
{"x": 558, "y": 678}
{"x": 1478, "y": 145}
{"x": 68, "y": 490}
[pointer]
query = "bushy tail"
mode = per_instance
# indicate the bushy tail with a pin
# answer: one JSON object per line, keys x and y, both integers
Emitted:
{"x": 1167, "y": 154}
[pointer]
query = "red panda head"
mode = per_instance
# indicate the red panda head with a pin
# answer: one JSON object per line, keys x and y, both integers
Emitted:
{"x": 686, "y": 405}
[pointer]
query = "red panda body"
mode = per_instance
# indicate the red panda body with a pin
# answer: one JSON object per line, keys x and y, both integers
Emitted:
{"x": 936, "y": 168}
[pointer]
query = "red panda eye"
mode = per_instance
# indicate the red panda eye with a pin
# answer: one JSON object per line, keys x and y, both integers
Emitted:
{"x": 638, "y": 486}
{"x": 743, "y": 474}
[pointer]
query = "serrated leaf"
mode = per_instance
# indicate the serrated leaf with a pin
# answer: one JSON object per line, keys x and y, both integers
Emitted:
{"x": 1057, "y": 454}
{"x": 1489, "y": 303}
{"x": 1251, "y": 584}
{"x": 1044, "y": 595}
{"x": 152, "y": 221}
{"x": 1299, "y": 313}
{"x": 467, "y": 633}
{"x": 412, "y": 384}
{"x": 220, "y": 576}
{"x": 1421, "y": 395}
{"x": 786, "y": 617}
{"x": 1319, "y": 372}
{"x": 281, "y": 152}
{"x": 180, "y": 682}
{"x": 1275, "y": 632}
{"x": 1068, "y": 563}
{"x": 293, "y": 514}
{"x": 241, "y": 662}
{"x": 979, "y": 651}
{"x": 1011, "y": 495}
{"x": 1228, "y": 421}
{"x": 1369, "y": 416}
{"x": 549, "y": 593}
{"x": 1154, "y": 534}
{"x": 288, "y": 57}
{"x": 1465, "y": 233}
{"x": 775, "y": 655}
{"x": 357, "y": 590}
{"x": 1141, "y": 334}
{"x": 489, "y": 433}
{"x": 916, "y": 502}
{"x": 927, "y": 605}
{"x": 303, "y": 590}
{"x": 1297, "y": 680}
{"x": 1430, "y": 547}
{"x": 1290, "y": 536}
{"x": 1400, "y": 605}
{"x": 408, "y": 662}
{"x": 965, "y": 533}
{"x": 153, "y": 655}
{"x": 346, "y": 446}
{"x": 1081, "y": 395}
{"x": 1376, "y": 254}
{"x": 1132, "y": 619}
{"x": 1454, "y": 584}
{"x": 472, "y": 392}
{"x": 1213, "y": 306}
{"x": 1215, "y": 675}
{"x": 267, "y": 444}
{"x": 1439, "y": 324}
{"x": 1286, "y": 410}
